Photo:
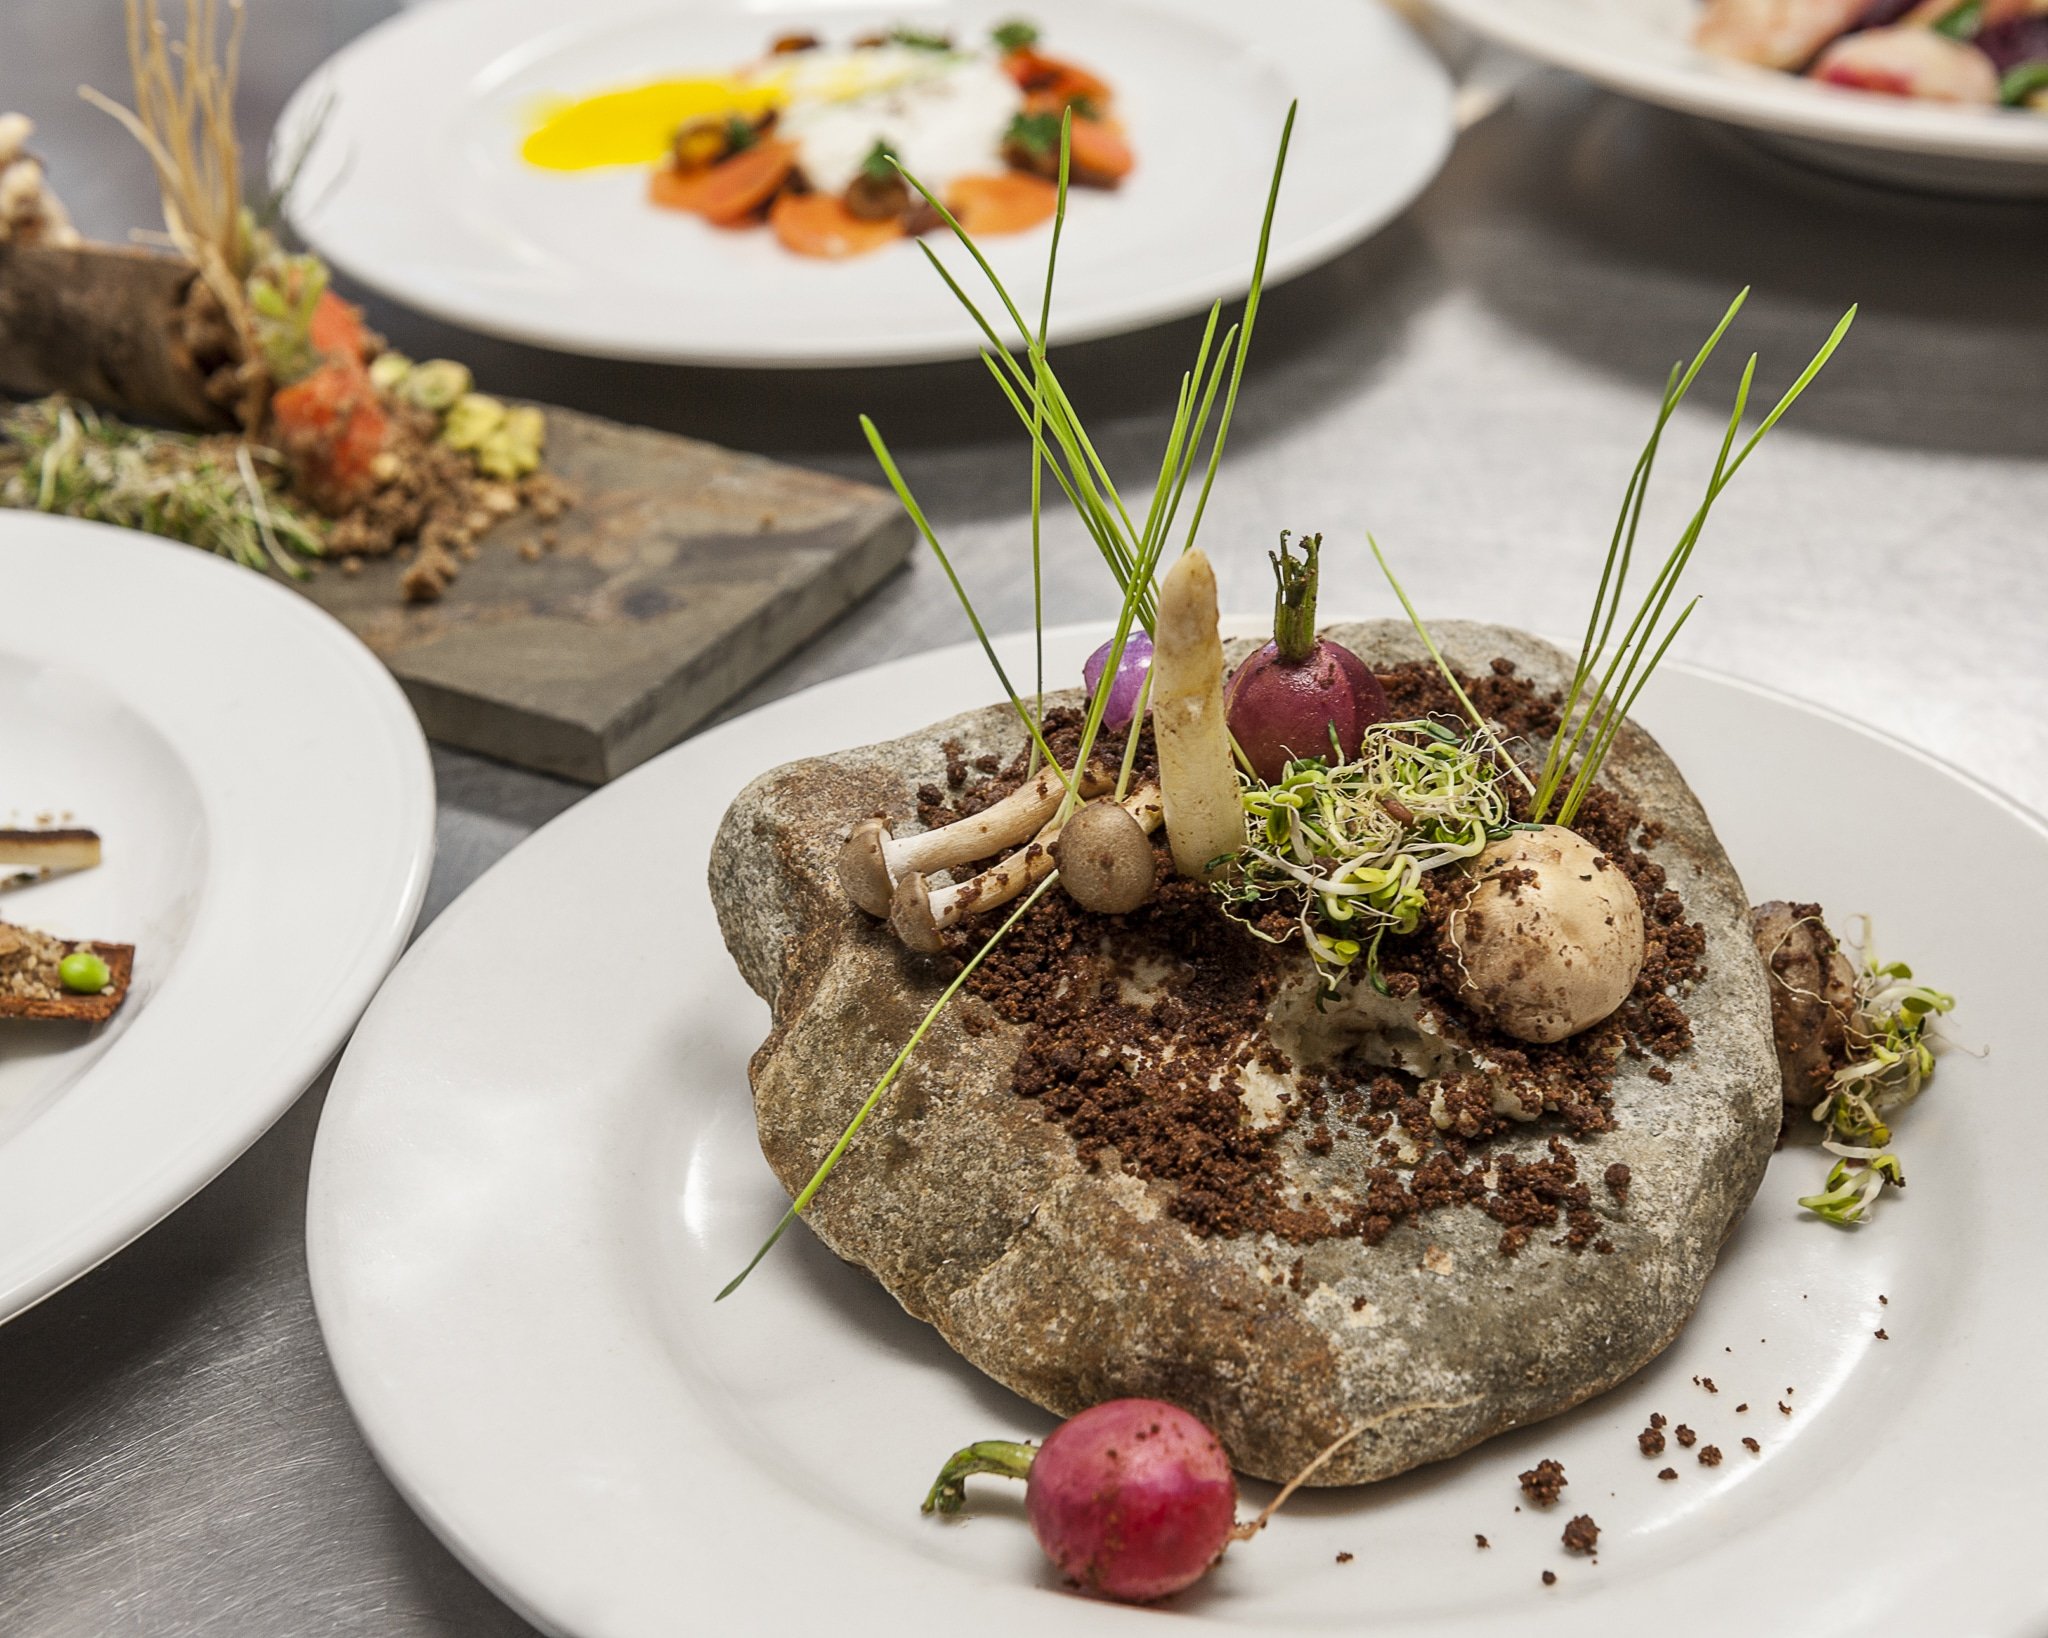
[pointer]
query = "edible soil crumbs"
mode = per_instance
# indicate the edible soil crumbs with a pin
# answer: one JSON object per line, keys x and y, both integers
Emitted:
{"x": 1751, "y": 1446}
{"x": 1667, "y": 1473}
{"x": 1651, "y": 1442}
{"x": 1686, "y": 1436}
{"x": 1879, "y": 1334}
{"x": 1657, "y": 1419}
{"x": 1707, "y": 1382}
{"x": 1481, "y": 1541}
{"x": 1549, "y": 1578}
{"x": 1782, "y": 1406}
{"x": 1131, "y": 1079}
{"x": 1343, "y": 1558}
{"x": 1581, "y": 1535}
{"x": 1742, "y": 1407}
{"x": 1710, "y": 1455}
{"x": 1543, "y": 1481}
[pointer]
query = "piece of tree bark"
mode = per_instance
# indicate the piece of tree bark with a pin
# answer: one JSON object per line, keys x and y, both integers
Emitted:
{"x": 108, "y": 324}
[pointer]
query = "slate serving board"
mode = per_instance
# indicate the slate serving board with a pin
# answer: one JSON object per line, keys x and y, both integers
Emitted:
{"x": 682, "y": 573}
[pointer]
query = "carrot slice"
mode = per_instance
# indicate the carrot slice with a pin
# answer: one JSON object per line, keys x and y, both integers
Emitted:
{"x": 1100, "y": 153}
{"x": 1009, "y": 203}
{"x": 677, "y": 190}
{"x": 819, "y": 224}
{"x": 733, "y": 189}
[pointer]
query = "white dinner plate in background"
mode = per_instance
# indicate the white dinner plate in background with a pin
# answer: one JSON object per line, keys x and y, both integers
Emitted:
{"x": 1643, "y": 49}
{"x": 266, "y": 810}
{"x": 537, "y": 1166}
{"x": 414, "y": 183}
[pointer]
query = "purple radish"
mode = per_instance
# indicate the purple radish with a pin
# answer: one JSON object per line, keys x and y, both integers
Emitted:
{"x": 1289, "y": 698}
{"x": 1132, "y": 1500}
{"x": 1122, "y": 703}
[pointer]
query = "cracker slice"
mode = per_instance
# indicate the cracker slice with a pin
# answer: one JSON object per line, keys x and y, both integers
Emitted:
{"x": 91, "y": 1009}
{"x": 36, "y": 855}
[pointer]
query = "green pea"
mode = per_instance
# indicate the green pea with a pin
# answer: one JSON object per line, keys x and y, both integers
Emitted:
{"x": 84, "y": 972}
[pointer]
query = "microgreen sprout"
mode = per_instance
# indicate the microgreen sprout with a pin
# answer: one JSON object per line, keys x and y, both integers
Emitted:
{"x": 1892, "y": 1040}
{"x": 1015, "y": 35}
{"x": 56, "y": 456}
{"x": 1060, "y": 444}
{"x": 1345, "y": 845}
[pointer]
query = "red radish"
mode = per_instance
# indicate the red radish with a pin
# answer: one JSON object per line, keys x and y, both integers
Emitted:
{"x": 1133, "y": 1499}
{"x": 1287, "y": 699}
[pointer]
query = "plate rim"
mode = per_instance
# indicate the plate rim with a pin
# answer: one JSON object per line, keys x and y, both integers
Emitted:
{"x": 301, "y": 112}
{"x": 451, "y": 1529}
{"x": 1763, "y": 100}
{"x": 119, "y": 1216}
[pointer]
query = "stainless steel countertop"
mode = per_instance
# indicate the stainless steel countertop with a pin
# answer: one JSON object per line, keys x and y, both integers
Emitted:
{"x": 1472, "y": 386}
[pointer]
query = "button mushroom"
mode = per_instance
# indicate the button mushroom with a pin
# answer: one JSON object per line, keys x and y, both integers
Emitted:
{"x": 919, "y": 913}
{"x": 1104, "y": 853}
{"x": 1549, "y": 937}
{"x": 873, "y": 862}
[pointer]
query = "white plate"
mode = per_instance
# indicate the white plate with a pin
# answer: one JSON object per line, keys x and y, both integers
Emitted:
{"x": 415, "y": 184}
{"x": 1643, "y": 48}
{"x": 537, "y": 1165}
{"x": 267, "y": 810}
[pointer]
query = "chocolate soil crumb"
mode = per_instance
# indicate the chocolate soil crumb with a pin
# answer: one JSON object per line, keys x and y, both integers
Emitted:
{"x": 1482, "y": 1541}
{"x": 1651, "y": 1442}
{"x": 1880, "y": 1335}
{"x": 1707, "y": 1382}
{"x": 1127, "y": 1067}
{"x": 1667, "y": 1473}
{"x": 1582, "y": 1535}
{"x": 1616, "y": 1178}
{"x": 1710, "y": 1455}
{"x": 1543, "y": 1481}
{"x": 1549, "y": 1578}
{"x": 1883, "y": 1300}
{"x": 1743, "y": 1406}
{"x": 1751, "y": 1446}
{"x": 1685, "y": 1435}
{"x": 1657, "y": 1419}
{"x": 1343, "y": 1558}
{"x": 1784, "y": 1408}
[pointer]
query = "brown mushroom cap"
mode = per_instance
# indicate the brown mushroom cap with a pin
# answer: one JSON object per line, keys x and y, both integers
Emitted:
{"x": 1105, "y": 859}
{"x": 1549, "y": 937}
{"x": 911, "y": 918}
{"x": 863, "y": 868}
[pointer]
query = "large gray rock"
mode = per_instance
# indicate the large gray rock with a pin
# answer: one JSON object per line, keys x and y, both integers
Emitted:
{"x": 1072, "y": 1286}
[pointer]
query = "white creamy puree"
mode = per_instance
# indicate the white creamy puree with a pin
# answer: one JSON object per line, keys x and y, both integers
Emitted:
{"x": 943, "y": 114}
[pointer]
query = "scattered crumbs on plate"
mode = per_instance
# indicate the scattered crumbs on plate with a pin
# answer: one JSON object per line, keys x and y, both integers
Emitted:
{"x": 1481, "y": 1541}
{"x": 1785, "y": 1408}
{"x": 1880, "y": 1334}
{"x": 1343, "y": 1558}
{"x": 1656, "y": 1419}
{"x": 1751, "y": 1446}
{"x": 1710, "y": 1455}
{"x": 1668, "y": 1473}
{"x": 1549, "y": 1578}
{"x": 1707, "y": 1382}
{"x": 1739, "y": 1409}
{"x": 1686, "y": 1436}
